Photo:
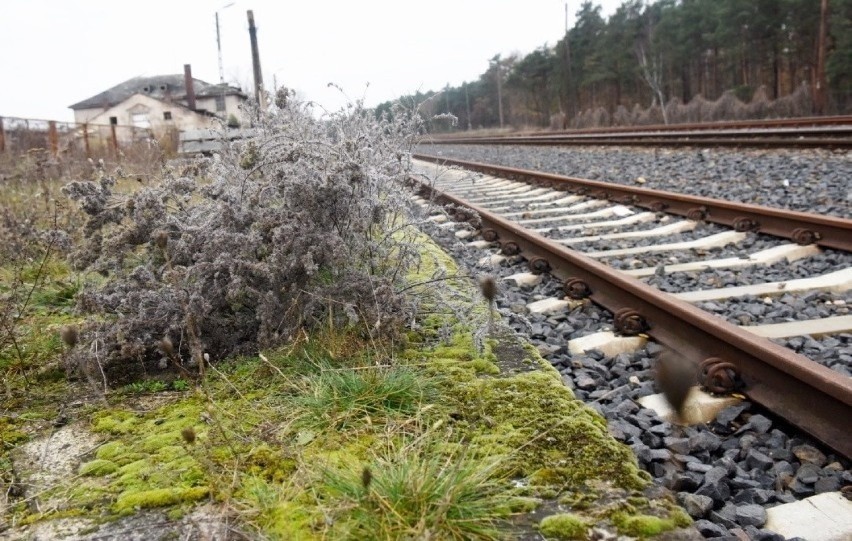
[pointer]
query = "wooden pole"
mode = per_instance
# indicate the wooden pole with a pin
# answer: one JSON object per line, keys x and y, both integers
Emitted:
{"x": 86, "y": 140}
{"x": 113, "y": 140}
{"x": 53, "y": 138}
{"x": 255, "y": 62}
{"x": 2, "y": 136}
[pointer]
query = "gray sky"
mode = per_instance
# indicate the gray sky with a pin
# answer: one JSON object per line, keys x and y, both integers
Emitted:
{"x": 57, "y": 52}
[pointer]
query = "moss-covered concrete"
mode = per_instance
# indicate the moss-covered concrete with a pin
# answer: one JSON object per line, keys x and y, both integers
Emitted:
{"x": 245, "y": 439}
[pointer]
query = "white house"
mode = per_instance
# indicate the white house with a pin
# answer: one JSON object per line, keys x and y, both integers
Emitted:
{"x": 164, "y": 103}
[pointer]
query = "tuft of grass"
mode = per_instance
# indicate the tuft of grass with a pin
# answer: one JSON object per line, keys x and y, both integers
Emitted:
{"x": 416, "y": 494}
{"x": 342, "y": 398}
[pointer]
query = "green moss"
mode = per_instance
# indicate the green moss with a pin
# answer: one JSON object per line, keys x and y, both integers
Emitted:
{"x": 548, "y": 433}
{"x": 483, "y": 366}
{"x": 649, "y": 525}
{"x": 160, "y": 497}
{"x": 114, "y": 422}
{"x": 97, "y": 467}
{"x": 521, "y": 504}
{"x": 564, "y": 526}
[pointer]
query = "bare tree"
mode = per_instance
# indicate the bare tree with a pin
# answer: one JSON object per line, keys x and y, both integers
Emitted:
{"x": 652, "y": 74}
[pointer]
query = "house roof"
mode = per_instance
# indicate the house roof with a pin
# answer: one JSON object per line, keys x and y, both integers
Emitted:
{"x": 161, "y": 87}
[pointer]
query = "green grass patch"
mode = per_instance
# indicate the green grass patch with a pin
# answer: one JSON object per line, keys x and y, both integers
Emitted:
{"x": 342, "y": 398}
{"x": 417, "y": 494}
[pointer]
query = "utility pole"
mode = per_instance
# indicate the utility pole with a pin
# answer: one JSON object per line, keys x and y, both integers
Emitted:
{"x": 219, "y": 44}
{"x": 255, "y": 62}
{"x": 820, "y": 82}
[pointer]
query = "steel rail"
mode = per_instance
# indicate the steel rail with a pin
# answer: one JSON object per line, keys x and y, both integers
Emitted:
{"x": 808, "y": 395}
{"x": 826, "y": 121}
{"x": 675, "y": 139}
{"x": 801, "y": 227}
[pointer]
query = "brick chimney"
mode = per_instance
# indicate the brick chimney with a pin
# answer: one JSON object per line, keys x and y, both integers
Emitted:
{"x": 190, "y": 88}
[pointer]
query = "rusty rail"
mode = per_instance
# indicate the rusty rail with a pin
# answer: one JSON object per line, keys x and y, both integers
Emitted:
{"x": 802, "y": 122}
{"x": 803, "y": 228}
{"x": 806, "y": 394}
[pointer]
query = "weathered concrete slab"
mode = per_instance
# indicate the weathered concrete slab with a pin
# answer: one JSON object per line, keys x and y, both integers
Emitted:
{"x": 824, "y": 517}
{"x": 790, "y": 252}
{"x": 549, "y": 306}
{"x": 606, "y": 342}
{"x": 699, "y": 408}
{"x": 838, "y": 282}
{"x": 492, "y": 260}
{"x": 811, "y": 327}
{"x": 438, "y": 218}
{"x": 713, "y": 241}
{"x": 524, "y": 279}
{"x": 480, "y": 244}
{"x": 669, "y": 229}
{"x": 634, "y": 219}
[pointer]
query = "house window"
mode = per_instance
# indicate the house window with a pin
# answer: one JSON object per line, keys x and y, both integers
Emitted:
{"x": 220, "y": 103}
{"x": 140, "y": 120}
{"x": 113, "y": 120}
{"x": 167, "y": 115}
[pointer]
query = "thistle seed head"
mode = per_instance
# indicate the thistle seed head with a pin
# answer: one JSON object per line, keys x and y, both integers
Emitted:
{"x": 167, "y": 347}
{"x": 162, "y": 239}
{"x": 69, "y": 335}
{"x": 675, "y": 376}
{"x": 488, "y": 287}
{"x": 366, "y": 477}
{"x": 188, "y": 435}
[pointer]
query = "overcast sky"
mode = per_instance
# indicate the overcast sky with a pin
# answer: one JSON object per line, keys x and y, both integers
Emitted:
{"x": 57, "y": 52}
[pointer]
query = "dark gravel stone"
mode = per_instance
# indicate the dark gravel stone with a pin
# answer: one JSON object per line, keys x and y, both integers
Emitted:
{"x": 677, "y": 445}
{"x": 756, "y": 459}
{"x": 696, "y": 505}
{"x": 754, "y": 495}
{"x": 810, "y": 454}
{"x": 751, "y": 515}
{"x": 780, "y": 453}
{"x": 709, "y": 529}
{"x": 660, "y": 455}
{"x": 828, "y": 484}
{"x": 720, "y": 491}
{"x": 808, "y": 474}
{"x": 704, "y": 441}
{"x": 726, "y": 516}
{"x": 759, "y": 424}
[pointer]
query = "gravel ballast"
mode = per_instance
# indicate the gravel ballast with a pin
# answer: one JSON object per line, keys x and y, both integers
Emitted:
{"x": 814, "y": 181}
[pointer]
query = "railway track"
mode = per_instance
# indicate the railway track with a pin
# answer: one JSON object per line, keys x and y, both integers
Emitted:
{"x": 562, "y": 242}
{"x": 816, "y": 132}
{"x": 519, "y": 210}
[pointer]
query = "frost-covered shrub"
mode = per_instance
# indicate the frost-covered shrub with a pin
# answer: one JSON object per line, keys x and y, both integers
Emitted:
{"x": 306, "y": 222}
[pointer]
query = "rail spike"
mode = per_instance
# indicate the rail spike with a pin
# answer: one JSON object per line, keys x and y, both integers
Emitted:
{"x": 539, "y": 265}
{"x": 630, "y": 322}
{"x": 743, "y": 224}
{"x": 697, "y": 214}
{"x": 658, "y": 206}
{"x": 804, "y": 236}
{"x": 489, "y": 235}
{"x": 510, "y": 248}
{"x": 577, "y": 289}
{"x": 719, "y": 376}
